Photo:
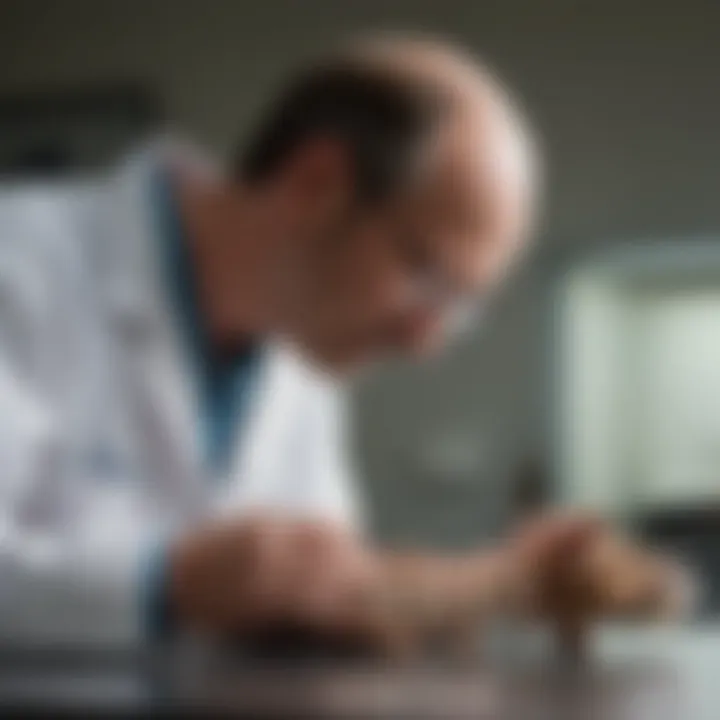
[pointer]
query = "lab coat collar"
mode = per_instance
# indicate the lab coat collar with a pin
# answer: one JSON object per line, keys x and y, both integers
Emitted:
{"x": 133, "y": 283}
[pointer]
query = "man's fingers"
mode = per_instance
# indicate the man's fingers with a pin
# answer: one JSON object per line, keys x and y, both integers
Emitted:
{"x": 558, "y": 537}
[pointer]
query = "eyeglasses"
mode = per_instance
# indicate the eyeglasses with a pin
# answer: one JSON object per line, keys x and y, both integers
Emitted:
{"x": 460, "y": 313}
{"x": 429, "y": 289}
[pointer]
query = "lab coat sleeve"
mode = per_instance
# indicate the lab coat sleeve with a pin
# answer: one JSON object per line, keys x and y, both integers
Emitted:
{"x": 71, "y": 552}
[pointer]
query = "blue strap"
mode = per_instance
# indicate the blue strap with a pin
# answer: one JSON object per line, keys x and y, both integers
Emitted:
{"x": 222, "y": 382}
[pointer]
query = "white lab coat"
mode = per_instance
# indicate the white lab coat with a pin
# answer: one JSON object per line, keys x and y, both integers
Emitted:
{"x": 99, "y": 439}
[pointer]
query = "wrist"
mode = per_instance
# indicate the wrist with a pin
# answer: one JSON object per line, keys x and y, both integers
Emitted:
{"x": 494, "y": 579}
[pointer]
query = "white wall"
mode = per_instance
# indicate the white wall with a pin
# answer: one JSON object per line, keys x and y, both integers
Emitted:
{"x": 624, "y": 93}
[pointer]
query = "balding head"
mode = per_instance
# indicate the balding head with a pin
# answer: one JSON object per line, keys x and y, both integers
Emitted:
{"x": 404, "y": 139}
{"x": 388, "y": 99}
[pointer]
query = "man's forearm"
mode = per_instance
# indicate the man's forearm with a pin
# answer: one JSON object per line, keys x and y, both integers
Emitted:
{"x": 432, "y": 588}
{"x": 416, "y": 597}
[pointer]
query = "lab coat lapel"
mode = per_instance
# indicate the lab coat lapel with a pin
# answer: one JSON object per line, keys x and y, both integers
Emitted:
{"x": 257, "y": 443}
{"x": 263, "y": 456}
{"x": 161, "y": 399}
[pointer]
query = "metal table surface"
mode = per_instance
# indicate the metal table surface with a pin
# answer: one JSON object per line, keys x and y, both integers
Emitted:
{"x": 633, "y": 675}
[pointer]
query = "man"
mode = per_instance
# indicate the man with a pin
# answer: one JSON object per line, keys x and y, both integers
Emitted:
{"x": 170, "y": 424}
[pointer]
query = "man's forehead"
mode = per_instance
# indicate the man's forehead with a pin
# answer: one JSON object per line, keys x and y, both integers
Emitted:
{"x": 474, "y": 206}
{"x": 475, "y": 169}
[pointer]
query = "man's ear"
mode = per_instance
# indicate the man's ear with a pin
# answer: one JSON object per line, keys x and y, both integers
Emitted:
{"x": 320, "y": 174}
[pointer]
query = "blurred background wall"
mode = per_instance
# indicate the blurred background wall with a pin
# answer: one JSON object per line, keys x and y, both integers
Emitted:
{"x": 626, "y": 97}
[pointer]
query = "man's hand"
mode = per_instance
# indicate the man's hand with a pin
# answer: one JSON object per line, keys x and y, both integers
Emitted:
{"x": 565, "y": 565}
{"x": 568, "y": 570}
{"x": 539, "y": 557}
{"x": 573, "y": 572}
{"x": 245, "y": 574}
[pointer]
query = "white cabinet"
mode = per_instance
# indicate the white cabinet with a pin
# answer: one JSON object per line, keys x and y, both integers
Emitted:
{"x": 639, "y": 381}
